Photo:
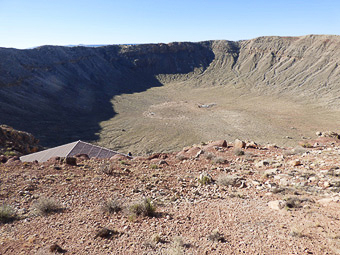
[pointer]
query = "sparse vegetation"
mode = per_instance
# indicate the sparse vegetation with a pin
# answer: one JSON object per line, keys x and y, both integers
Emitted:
{"x": 45, "y": 206}
{"x": 111, "y": 206}
{"x": 177, "y": 246}
{"x": 307, "y": 145}
{"x": 204, "y": 179}
{"x": 10, "y": 153}
{"x": 227, "y": 180}
{"x": 220, "y": 160}
{"x": 210, "y": 156}
{"x": 7, "y": 214}
{"x": 216, "y": 236}
{"x": 181, "y": 157}
{"x": 154, "y": 166}
{"x": 105, "y": 233}
{"x": 238, "y": 152}
{"x": 123, "y": 162}
{"x": 143, "y": 208}
{"x": 294, "y": 202}
{"x": 106, "y": 169}
{"x": 297, "y": 232}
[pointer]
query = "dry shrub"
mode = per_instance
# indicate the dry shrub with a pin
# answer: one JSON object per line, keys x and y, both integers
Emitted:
{"x": 181, "y": 157}
{"x": 111, "y": 206}
{"x": 143, "y": 208}
{"x": 177, "y": 246}
{"x": 216, "y": 236}
{"x": 227, "y": 180}
{"x": 238, "y": 152}
{"x": 205, "y": 179}
{"x": 210, "y": 155}
{"x": 297, "y": 232}
{"x": 106, "y": 169}
{"x": 220, "y": 160}
{"x": 295, "y": 202}
{"x": 45, "y": 206}
{"x": 7, "y": 214}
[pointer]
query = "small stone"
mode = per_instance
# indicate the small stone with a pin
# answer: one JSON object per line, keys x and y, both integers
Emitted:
{"x": 262, "y": 163}
{"x": 271, "y": 172}
{"x": 313, "y": 179}
{"x": 162, "y": 162}
{"x": 284, "y": 182}
{"x": 56, "y": 248}
{"x": 326, "y": 184}
{"x": 277, "y": 204}
{"x": 199, "y": 153}
{"x": 255, "y": 183}
{"x": 105, "y": 233}
{"x": 251, "y": 144}
{"x": 295, "y": 162}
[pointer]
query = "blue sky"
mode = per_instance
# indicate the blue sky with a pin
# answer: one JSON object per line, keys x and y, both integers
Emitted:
{"x": 32, "y": 23}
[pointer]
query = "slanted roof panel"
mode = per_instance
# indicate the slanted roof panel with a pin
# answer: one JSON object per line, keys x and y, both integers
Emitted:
{"x": 69, "y": 150}
{"x": 92, "y": 150}
{"x": 42, "y": 156}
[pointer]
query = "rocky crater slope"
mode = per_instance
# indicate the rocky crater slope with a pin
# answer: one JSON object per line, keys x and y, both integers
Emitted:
{"x": 61, "y": 94}
{"x": 216, "y": 198}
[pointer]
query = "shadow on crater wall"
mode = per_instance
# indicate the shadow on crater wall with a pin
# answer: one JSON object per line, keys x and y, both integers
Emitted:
{"x": 61, "y": 94}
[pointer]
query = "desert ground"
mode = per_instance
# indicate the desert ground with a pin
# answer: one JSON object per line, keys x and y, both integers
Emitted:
{"x": 211, "y": 198}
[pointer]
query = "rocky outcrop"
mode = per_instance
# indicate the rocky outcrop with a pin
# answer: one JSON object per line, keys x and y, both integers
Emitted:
{"x": 14, "y": 142}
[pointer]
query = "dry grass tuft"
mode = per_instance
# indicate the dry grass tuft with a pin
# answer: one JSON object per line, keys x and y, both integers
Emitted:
{"x": 227, "y": 180}
{"x": 143, "y": 208}
{"x": 181, "y": 157}
{"x": 45, "y": 206}
{"x": 7, "y": 214}
{"x": 238, "y": 152}
{"x": 297, "y": 232}
{"x": 205, "y": 179}
{"x": 216, "y": 236}
{"x": 210, "y": 156}
{"x": 106, "y": 169}
{"x": 220, "y": 160}
{"x": 177, "y": 246}
{"x": 111, "y": 206}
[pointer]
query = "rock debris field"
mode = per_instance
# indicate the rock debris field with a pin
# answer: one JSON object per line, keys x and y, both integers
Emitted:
{"x": 214, "y": 198}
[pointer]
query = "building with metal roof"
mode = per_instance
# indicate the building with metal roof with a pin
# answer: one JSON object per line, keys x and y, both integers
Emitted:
{"x": 70, "y": 150}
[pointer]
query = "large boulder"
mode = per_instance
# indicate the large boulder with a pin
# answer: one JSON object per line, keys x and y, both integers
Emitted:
{"x": 72, "y": 161}
{"x": 238, "y": 144}
{"x": 220, "y": 143}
